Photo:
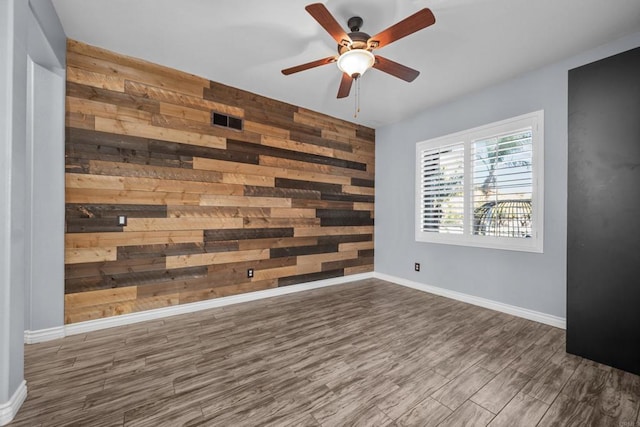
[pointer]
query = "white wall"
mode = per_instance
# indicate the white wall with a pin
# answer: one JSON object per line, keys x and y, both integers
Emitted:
{"x": 528, "y": 280}
{"x": 22, "y": 36}
{"x": 44, "y": 287}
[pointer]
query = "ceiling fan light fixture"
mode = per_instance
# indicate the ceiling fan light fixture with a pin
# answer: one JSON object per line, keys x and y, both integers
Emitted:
{"x": 356, "y": 62}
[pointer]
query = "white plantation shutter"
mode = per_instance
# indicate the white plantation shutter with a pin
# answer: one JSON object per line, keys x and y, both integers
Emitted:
{"x": 484, "y": 186}
{"x": 442, "y": 187}
{"x": 503, "y": 184}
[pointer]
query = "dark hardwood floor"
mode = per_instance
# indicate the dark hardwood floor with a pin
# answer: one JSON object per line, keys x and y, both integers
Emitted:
{"x": 369, "y": 353}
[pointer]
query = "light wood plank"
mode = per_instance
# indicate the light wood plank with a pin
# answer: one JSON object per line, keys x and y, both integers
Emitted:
{"x": 126, "y": 197}
{"x": 281, "y": 222}
{"x": 104, "y": 66}
{"x": 277, "y": 242}
{"x": 274, "y": 273}
{"x": 358, "y": 206}
{"x": 82, "y": 255}
{"x": 122, "y": 127}
{"x": 266, "y": 129}
{"x": 317, "y": 167}
{"x": 215, "y": 212}
{"x": 106, "y": 182}
{"x": 101, "y": 109}
{"x": 98, "y": 240}
{"x": 240, "y": 201}
{"x": 101, "y": 167}
{"x": 243, "y": 168}
{"x": 332, "y": 231}
{"x": 292, "y": 213}
{"x": 107, "y": 296}
{"x": 319, "y": 120}
{"x": 342, "y": 135}
{"x": 159, "y": 224}
{"x": 355, "y": 246}
{"x": 352, "y": 189}
{"x": 245, "y": 179}
{"x": 191, "y": 260}
{"x": 301, "y": 147}
{"x": 331, "y": 256}
{"x": 167, "y": 96}
{"x": 182, "y": 112}
{"x": 80, "y": 120}
{"x": 131, "y": 62}
{"x": 89, "y": 78}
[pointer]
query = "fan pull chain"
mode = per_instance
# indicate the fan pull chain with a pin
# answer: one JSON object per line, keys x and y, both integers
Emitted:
{"x": 357, "y": 100}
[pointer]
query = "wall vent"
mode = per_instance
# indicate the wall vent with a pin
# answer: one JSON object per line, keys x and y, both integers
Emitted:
{"x": 218, "y": 119}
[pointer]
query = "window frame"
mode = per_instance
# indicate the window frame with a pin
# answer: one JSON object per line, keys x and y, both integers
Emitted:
{"x": 535, "y": 120}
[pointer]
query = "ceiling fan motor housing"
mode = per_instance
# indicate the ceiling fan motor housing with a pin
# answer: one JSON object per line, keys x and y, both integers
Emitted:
{"x": 359, "y": 41}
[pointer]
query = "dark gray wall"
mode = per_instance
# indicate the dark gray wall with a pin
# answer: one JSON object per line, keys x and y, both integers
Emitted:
{"x": 603, "y": 246}
{"x": 528, "y": 280}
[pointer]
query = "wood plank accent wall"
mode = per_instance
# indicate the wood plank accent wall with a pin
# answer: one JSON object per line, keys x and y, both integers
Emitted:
{"x": 291, "y": 195}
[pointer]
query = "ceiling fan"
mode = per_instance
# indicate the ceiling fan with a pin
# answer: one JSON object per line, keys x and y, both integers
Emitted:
{"x": 355, "y": 49}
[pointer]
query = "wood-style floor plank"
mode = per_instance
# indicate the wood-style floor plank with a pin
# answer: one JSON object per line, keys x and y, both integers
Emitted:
{"x": 369, "y": 353}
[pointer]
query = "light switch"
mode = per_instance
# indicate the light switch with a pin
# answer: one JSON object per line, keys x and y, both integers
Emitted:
{"x": 122, "y": 220}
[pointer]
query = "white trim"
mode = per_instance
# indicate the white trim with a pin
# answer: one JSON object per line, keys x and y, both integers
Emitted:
{"x": 42, "y": 335}
{"x": 8, "y": 410}
{"x": 536, "y": 316}
{"x": 127, "y": 319}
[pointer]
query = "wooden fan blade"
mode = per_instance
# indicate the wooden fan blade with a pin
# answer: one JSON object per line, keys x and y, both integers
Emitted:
{"x": 321, "y": 14}
{"x": 345, "y": 85}
{"x": 309, "y": 65}
{"x": 397, "y": 70}
{"x": 419, "y": 20}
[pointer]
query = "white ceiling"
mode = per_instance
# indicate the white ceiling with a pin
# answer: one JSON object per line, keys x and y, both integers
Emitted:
{"x": 245, "y": 43}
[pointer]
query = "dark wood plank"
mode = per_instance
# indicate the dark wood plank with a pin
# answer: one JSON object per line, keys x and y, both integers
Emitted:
{"x": 244, "y": 234}
{"x": 348, "y": 238}
{"x": 293, "y": 193}
{"x": 137, "y": 278}
{"x": 302, "y": 250}
{"x": 336, "y": 265}
{"x": 344, "y": 197}
{"x": 345, "y": 221}
{"x": 158, "y": 251}
{"x": 308, "y": 185}
{"x": 293, "y": 155}
{"x": 359, "y": 182}
{"x": 301, "y": 278}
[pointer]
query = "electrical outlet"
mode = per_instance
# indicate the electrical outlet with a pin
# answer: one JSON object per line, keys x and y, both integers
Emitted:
{"x": 250, "y": 273}
{"x": 122, "y": 220}
{"x": 416, "y": 267}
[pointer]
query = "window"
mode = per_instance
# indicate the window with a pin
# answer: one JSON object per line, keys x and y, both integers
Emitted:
{"x": 484, "y": 186}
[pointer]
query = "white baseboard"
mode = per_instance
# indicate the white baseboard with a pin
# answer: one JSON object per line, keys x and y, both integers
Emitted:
{"x": 547, "y": 319}
{"x": 42, "y": 335}
{"x": 9, "y": 409}
{"x": 127, "y": 319}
